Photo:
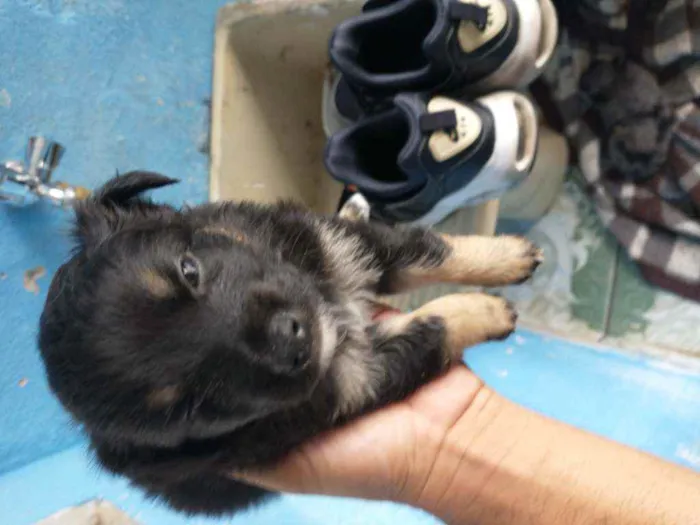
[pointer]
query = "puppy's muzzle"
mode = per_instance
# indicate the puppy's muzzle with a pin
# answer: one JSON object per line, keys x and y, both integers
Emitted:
{"x": 293, "y": 331}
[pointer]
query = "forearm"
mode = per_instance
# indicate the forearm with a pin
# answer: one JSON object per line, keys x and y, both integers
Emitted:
{"x": 501, "y": 464}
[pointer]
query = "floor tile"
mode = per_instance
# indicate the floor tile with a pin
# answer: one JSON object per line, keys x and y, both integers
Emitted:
{"x": 646, "y": 402}
{"x": 642, "y": 314}
{"x": 570, "y": 292}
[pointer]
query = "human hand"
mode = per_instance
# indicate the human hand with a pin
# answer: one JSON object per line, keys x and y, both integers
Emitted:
{"x": 385, "y": 455}
{"x": 466, "y": 455}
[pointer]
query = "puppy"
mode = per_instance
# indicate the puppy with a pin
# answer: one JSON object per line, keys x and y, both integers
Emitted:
{"x": 192, "y": 343}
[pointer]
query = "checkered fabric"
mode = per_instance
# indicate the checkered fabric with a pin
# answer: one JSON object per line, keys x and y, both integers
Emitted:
{"x": 625, "y": 86}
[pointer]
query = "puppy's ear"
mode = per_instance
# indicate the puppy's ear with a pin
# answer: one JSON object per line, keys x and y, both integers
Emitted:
{"x": 103, "y": 213}
{"x": 122, "y": 188}
{"x": 194, "y": 480}
{"x": 168, "y": 465}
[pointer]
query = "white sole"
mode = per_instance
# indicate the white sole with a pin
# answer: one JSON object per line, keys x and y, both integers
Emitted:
{"x": 533, "y": 50}
{"x": 513, "y": 155}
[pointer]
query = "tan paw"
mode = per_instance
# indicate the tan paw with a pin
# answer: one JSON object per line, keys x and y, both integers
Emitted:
{"x": 478, "y": 261}
{"x": 468, "y": 319}
{"x": 471, "y": 319}
{"x": 514, "y": 261}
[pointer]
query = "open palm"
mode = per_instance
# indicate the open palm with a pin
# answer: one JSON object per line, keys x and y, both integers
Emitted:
{"x": 375, "y": 456}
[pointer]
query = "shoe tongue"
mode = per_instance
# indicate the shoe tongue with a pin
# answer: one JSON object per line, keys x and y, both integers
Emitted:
{"x": 473, "y": 25}
{"x": 478, "y": 24}
{"x": 449, "y": 126}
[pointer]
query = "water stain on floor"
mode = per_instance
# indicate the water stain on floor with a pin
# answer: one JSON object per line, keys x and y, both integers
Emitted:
{"x": 31, "y": 276}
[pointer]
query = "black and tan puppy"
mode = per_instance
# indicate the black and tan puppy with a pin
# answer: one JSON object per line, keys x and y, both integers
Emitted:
{"x": 191, "y": 343}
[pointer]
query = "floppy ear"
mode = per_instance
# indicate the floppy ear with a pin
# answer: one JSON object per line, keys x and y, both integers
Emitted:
{"x": 103, "y": 213}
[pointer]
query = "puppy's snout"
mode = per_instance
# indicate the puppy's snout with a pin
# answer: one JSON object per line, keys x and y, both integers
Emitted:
{"x": 293, "y": 330}
{"x": 289, "y": 325}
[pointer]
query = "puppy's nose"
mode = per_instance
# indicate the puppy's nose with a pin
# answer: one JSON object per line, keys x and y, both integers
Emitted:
{"x": 289, "y": 325}
{"x": 292, "y": 328}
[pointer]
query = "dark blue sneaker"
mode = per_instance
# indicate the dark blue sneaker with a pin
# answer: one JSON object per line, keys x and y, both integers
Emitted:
{"x": 438, "y": 46}
{"x": 426, "y": 157}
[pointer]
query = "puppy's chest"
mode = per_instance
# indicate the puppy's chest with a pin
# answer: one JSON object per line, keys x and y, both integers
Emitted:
{"x": 354, "y": 276}
{"x": 348, "y": 262}
{"x": 354, "y": 370}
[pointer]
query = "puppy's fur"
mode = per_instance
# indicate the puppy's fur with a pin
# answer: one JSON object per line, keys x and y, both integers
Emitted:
{"x": 193, "y": 343}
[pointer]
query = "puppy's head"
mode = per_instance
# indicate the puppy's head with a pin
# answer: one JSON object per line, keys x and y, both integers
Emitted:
{"x": 160, "y": 330}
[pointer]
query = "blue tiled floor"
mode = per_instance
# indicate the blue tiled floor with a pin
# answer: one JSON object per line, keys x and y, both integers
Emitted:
{"x": 648, "y": 404}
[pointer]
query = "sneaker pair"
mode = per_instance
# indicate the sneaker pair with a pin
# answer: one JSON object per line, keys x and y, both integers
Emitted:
{"x": 405, "y": 128}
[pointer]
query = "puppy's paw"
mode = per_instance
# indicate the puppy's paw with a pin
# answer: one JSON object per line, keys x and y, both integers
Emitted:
{"x": 356, "y": 208}
{"x": 468, "y": 319}
{"x": 486, "y": 261}
{"x": 516, "y": 260}
{"x": 505, "y": 318}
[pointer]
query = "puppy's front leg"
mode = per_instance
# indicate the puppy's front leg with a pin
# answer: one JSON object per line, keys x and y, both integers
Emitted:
{"x": 468, "y": 319}
{"x": 411, "y": 349}
{"x": 474, "y": 260}
{"x": 412, "y": 257}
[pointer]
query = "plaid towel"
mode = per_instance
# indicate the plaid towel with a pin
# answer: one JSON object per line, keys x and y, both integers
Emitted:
{"x": 624, "y": 85}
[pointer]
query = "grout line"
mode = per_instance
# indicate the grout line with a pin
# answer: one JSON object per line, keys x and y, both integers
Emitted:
{"x": 611, "y": 294}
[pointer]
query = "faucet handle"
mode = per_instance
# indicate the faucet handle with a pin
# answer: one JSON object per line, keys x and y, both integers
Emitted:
{"x": 52, "y": 157}
{"x": 32, "y": 156}
{"x": 41, "y": 158}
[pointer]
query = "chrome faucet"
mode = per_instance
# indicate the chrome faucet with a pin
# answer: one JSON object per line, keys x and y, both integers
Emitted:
{"x": 23, "y": 183}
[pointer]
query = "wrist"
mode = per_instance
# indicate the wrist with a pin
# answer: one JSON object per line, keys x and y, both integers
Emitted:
{"x": 470, "y": 461}
{"x": 501, "y": 464}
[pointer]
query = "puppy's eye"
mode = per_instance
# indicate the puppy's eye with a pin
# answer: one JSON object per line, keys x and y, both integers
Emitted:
{"x": 190, "y": 270}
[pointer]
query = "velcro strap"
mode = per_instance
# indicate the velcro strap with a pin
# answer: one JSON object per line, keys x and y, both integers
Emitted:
{"x": 438, "y": 121}
{"x": 471, "y": 12}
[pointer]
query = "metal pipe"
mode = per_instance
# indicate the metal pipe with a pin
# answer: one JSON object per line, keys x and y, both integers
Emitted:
{"x": 24, "y": 183}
